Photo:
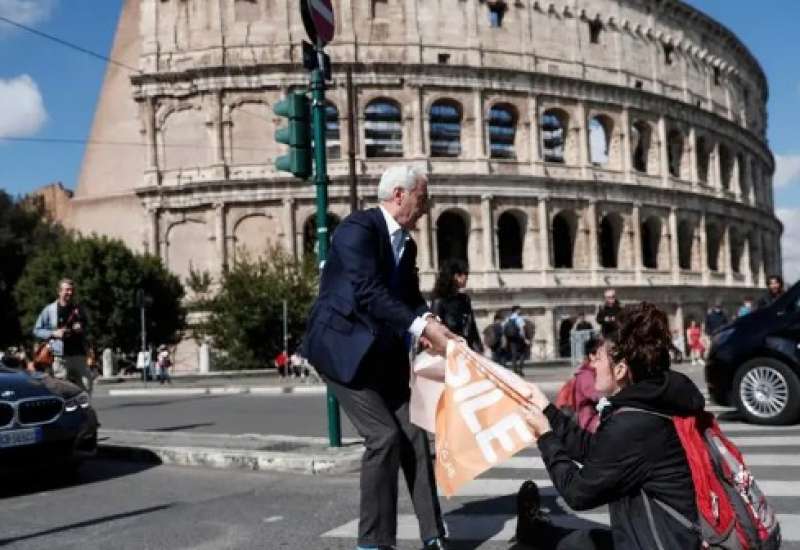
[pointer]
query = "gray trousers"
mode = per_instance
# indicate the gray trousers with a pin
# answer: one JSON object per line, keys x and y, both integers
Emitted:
{"x": 380, "y": 414}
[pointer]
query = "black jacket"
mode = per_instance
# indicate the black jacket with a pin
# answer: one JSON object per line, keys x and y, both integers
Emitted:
{"x": 631, "y": 451}
{"x": 607, "y": 317}
{"x": 456, "y": 313}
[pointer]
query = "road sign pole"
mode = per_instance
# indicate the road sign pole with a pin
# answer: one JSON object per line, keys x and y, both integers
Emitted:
{"x": 318, "y": 115}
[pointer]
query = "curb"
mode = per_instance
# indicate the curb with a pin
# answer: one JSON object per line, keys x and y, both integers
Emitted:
{"x": 223, "y": 390}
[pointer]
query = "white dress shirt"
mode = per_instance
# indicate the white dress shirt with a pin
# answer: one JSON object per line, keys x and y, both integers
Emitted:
{"x": 398, "y": 237}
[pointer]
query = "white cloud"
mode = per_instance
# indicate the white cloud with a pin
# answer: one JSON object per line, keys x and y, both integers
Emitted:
{"x": 22, "y": 111}
{"x": 787, "y": 170}
{"x": 790, "y": 243}
{"x": 27, "y": 12}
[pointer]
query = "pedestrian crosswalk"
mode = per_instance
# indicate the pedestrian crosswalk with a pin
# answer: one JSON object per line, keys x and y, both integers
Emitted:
{"x": 484, "y": 510}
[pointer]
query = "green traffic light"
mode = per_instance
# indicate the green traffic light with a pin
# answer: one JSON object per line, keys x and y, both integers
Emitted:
{"x": 295, "y": 107}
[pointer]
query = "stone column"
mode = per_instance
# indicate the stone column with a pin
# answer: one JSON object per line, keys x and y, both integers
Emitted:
{"x": 412, "y": 31}
{"x": 216, "y": 120}
{"x": 593, "y": 259}
{"x": 664, "y": 150}
{"x": 746, "y": 262}
{"x": 544, "y": 239}
{"x": 726, "y": 256}
{"x": 717, "y": 169}
{"x": 637, "y": 242}
{"x": 289, "y": 227}
{"x": 425, "y": 259}
{"x": 480, "y": 129}
{"x": 673, "y": 246}
{"x": 627, "y": 158}
{"x": 487, "y": 223}
{"x": 704, "y": 249}
{"x": 680, "y": 324}
{"x": 147, "y": 111}
{"x": 736, "y": 178}
{"x": 695, "y": 171}
{"x": 220, "y": 236}
{"x": 153, "y": 232}
{"x": 549, "y": 333}
{"x": 583, "y": 140}
{"x": 420, "y": 124}
{"x": 533, "y": 117}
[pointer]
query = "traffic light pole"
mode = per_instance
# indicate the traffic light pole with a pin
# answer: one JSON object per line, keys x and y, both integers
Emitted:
{"x": 318, "y": 118}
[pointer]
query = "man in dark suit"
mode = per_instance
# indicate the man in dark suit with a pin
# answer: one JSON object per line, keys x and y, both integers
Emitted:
{"x": 358, "y": 337}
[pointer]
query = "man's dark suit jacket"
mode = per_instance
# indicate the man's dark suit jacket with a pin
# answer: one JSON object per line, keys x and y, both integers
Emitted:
{"x": 365, "y": 302}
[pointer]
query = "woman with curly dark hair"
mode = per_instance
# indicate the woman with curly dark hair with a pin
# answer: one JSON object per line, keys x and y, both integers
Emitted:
{"x": 452, "y": 305}
{"x": 634, "y": 460}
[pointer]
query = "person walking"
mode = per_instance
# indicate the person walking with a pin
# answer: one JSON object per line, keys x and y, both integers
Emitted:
{"x": 358, "y": 337}
{"x": 494, "y": 339}
{"x": 452, "y": 305}
{"x": 62, "y": 324}
{"x": 715, "y": 319}
{"x": 163, "y": 364}
{"x": 694, "y": 339}
{"x": 517, "y": 342}
{"x": 608, "y": 312}
{"x": 775, "y": 290}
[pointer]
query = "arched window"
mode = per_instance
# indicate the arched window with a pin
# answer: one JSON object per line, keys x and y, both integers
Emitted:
{"x": 651, "y": 242}
{"x": 726, "y": 166}
{"x": 383, "y": 129}
{"x": 737, "y": 250}
{"x": 685, "y": 244}
{"x": 610, "y": 236}
{"x": 502, "y": 131}
{"x": 744, "y": 177}
{"x": 510, "y": 233}
{"x": 600, "y": 128}
{"x": 445, "y": 131}
{"x": 554, "y": 126}
{"x": 713, "y": 241}
{"x": 451, "y": 237}
{"x": 641, "y": 134}
{"x": 675, "y": 152}
{"x": 310, "y": 232}
{"x": 564, "y": 226}
{"x": 703, "y": 154}
{"x": 333, "y": 144}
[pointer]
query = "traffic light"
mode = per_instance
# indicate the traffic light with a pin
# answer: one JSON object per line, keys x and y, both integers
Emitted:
{"x": 297, "y": 135}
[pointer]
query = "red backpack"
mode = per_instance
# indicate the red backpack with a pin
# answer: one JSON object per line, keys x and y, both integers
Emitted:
{"x": 566, "y": 397}
{"x": 733, "y": 513}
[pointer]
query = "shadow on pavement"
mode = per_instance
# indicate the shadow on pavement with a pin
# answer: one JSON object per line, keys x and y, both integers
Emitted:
{"x": 182, "y": 427}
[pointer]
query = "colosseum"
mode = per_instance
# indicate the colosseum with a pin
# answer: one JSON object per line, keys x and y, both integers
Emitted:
{"x": 572, "y": 145}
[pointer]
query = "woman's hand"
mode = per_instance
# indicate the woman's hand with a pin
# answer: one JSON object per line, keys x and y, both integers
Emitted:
{"x": 538, "y": 397}
{"x": 537, "y": 421}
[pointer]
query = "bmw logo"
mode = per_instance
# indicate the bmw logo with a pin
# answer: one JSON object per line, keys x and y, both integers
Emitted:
{"x": 7, "y": 394}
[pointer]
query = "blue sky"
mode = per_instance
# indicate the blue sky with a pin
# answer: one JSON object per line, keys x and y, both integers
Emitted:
{"x": 48, "y": 91}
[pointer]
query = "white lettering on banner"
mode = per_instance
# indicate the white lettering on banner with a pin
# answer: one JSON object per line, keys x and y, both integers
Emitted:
{"x": 469, "y": 408}
{"x": 500, "y": 432}
{"x": 468, "y": 392}
{"x": 462, "y": 374}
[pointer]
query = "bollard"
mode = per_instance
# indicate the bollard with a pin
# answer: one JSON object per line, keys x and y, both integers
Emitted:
{"x": 108, "y": 363}
{"x": 205, "y": 359}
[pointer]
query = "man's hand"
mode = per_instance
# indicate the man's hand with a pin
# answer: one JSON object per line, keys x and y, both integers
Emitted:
{"x": 58, "y": 333}
{"x": 538, "y": 398}
{"x": 435, "y": 336}
{"x": 537, "y": 421}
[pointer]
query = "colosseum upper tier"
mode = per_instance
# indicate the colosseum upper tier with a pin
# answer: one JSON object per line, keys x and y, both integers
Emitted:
{"x": 571, "y": 145}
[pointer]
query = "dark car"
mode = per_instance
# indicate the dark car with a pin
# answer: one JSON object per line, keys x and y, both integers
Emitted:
{"x": 44, "y": 421}
{"x": 754, "y": 362}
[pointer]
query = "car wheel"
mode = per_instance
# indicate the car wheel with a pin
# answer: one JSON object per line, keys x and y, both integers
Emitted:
{"x": 766, "y": 391}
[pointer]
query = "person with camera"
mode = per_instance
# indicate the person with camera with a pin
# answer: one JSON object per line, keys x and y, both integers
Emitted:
{"x": 62, "y": 327}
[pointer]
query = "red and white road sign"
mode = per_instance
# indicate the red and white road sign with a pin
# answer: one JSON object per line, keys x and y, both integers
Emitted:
{"x": 321, "y": 12}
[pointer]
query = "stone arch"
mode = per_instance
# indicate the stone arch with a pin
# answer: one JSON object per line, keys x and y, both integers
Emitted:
{"x": 251, "y": 236}
{"x": 452, "y": 236}
{"x": 725, "y": 167}
{"x": 333, "y": 138}
{"x": 685, "y": 244}
{"x": 250, "y": 132}
{"x": 744, "y": 177}
{"x": 564, "y": 230}
{"x": 651, "y": 242}
{"x": 510, "y": 238}
{"x": 713, "y": 245}
{"x": 183, "y": 138}
{"x": 642, "y": 146}
{"x": 445, "y": 128}
{"x": 383, "y": 128}
{"x": 703, "y": 154}
{"x": 502, "y": 122}
{"x": 187, "y": 247}
{"x": 554, "y": 126}
{"x": 675, "y": 148}
{"x": 310, "y": 232}
{"x": 609, "y": 238}
{"x": 737, "y": 242}
{"x": 601, "y": 130}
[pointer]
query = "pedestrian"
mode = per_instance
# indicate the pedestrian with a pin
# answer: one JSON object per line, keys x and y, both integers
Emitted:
{"x": 694, "y": 339}
{"x": 608, "y": 312}
{"x": 679, "y": 345}
{"x": 62, "y": 325}
{"x": 582, "y": 323}
{"x": 715, "y": 319}
{"x": 745, "y": 308}
{"x": 516, "y": 340}
{"x": 634, "y": 461}
{"x": 296, "y": 364}
{"x": 281, "y": 363}
{"x": 163, "y": 364}
{"x": 452, "y": 304}
{"x": 494, "y": 340}
{"x": 775, "y": 290}
{"x": 358, "y": 337}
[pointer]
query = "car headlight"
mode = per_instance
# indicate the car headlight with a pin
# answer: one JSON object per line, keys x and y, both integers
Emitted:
{"x": 722, "y": 336}
{"x": 79, "y": 401}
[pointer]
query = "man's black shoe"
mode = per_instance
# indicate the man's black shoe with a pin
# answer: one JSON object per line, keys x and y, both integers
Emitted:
{"x": 437, "y": 544}
{"x": 529, "y": 516}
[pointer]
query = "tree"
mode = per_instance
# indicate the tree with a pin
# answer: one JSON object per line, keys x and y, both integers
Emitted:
{"x": 107, "y": 276}
{"x": 23, "y": 230}
{"x": 245, "y": 318}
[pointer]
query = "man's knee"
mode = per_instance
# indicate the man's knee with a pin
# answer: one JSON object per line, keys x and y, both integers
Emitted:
{"x": 384, "y": 441}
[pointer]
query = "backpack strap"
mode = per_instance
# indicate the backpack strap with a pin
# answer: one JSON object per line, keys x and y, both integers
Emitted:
{"x": 636, "y": 409}
{"x": 649, "y": 511}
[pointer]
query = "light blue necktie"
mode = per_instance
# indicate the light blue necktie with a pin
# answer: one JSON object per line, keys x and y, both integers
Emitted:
{"x": 398, "y": 241}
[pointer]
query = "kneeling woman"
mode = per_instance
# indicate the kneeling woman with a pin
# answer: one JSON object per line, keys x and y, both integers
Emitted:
{"x": 633, "y": 459}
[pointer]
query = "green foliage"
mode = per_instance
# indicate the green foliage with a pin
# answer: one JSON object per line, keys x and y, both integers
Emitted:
{"x": 23, "y": 230}
{"x": 107, "y": 276}
{"x": 199, "y": 281}
{"x": 246, "y": 316}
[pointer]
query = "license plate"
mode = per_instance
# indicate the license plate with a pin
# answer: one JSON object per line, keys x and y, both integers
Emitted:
{"x": 16, "y": 438}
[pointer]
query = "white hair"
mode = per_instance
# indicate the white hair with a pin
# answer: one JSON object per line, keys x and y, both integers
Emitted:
{"x": 403, "y": 176}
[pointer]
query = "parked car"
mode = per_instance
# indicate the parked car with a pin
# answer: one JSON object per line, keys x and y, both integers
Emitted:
{"x": 754, "y": 362}
{"x": 44, "y": 421}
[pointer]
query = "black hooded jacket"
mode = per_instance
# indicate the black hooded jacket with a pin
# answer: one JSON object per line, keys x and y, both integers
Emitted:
{"x": 629, "y": 452}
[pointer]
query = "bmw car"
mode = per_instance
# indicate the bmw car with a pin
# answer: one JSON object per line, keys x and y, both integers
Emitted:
{"x": 754, "y": 363}
{"x": 44, "y": 421}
